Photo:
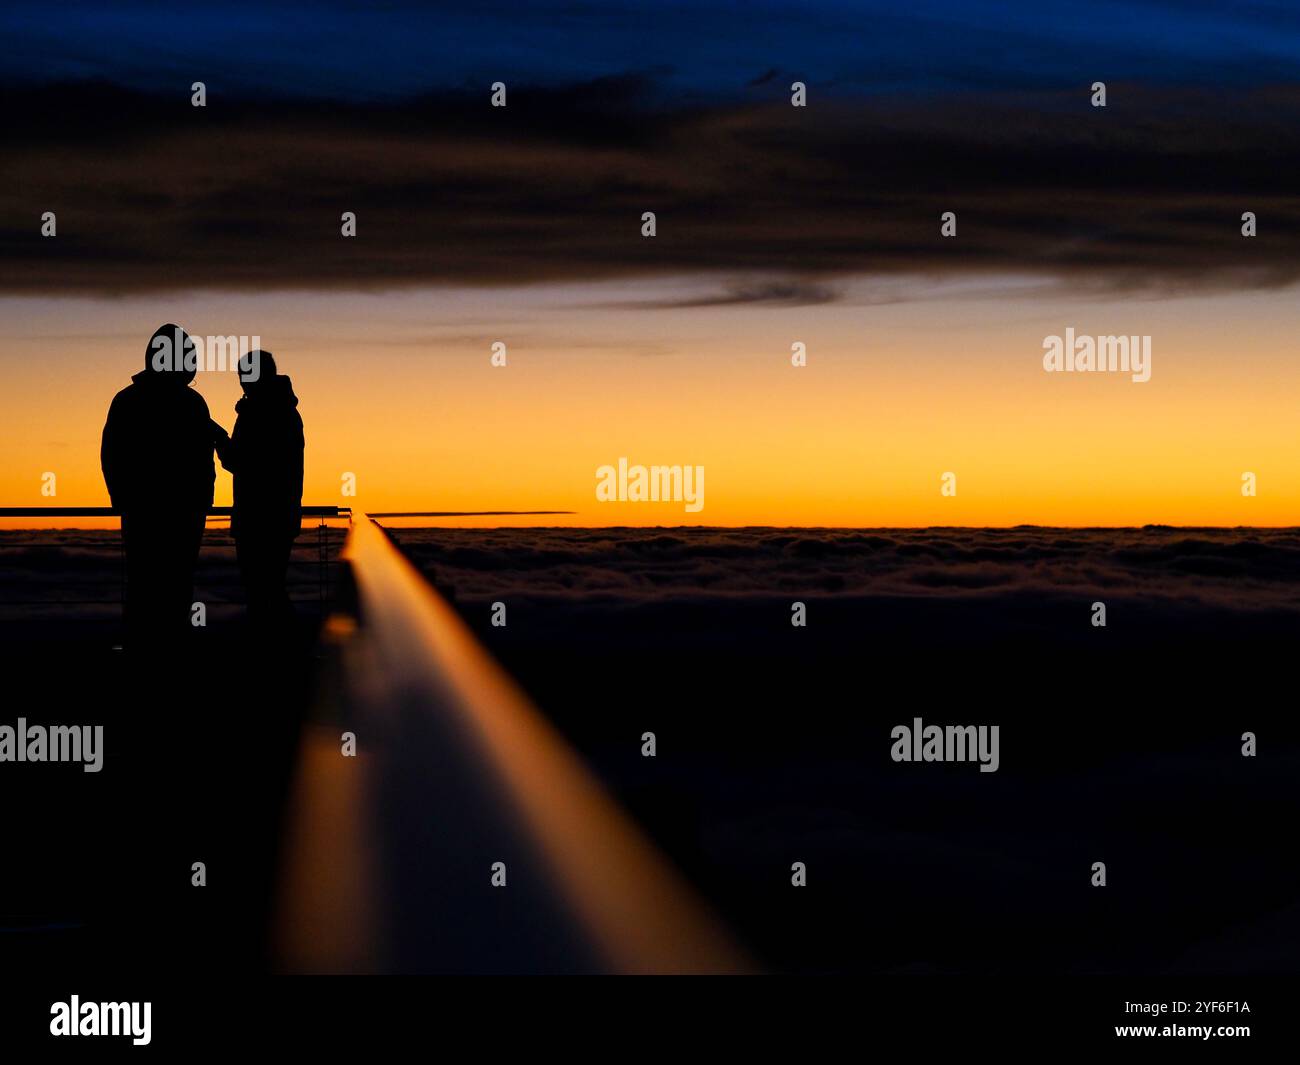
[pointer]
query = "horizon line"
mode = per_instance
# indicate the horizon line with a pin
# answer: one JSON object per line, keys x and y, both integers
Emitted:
{"x": 1153, "y": 526}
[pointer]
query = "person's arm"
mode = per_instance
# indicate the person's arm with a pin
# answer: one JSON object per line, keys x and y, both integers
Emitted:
{"x": 230, "y": 449}
{"x": 297, "y": 445}
{"x": 297, "y": 448}
{"x": 204, "y": 471}
{"x": 221, "y": 441}
{"x": 110, "y": 457}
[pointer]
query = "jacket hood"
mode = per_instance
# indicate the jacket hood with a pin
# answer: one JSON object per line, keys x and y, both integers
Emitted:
{"x": 170, "y": 356}
{"x": 270, "y": 391}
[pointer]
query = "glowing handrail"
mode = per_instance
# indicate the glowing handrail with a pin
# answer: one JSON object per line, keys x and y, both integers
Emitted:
{"x": 457, "y": 770}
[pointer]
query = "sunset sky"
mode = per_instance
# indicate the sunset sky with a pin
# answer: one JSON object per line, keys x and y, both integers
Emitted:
{"x": 776, "y": 225}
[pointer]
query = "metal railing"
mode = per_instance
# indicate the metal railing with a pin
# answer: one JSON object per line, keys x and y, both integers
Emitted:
{"x": 466, "y": 836}
{"x": 323, "y": 562}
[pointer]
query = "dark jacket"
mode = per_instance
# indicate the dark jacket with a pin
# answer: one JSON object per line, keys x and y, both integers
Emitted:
{"x": 156, "y": 451}
{"x": 264, "y": 454}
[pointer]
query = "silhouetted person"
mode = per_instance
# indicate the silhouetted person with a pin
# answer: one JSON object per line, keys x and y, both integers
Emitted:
{"x": 264, "y": 454}
{"x": 157, "y": 460}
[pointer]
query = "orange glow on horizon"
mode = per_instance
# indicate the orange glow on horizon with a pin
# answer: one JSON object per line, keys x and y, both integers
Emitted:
{"x": 397, "y": 389}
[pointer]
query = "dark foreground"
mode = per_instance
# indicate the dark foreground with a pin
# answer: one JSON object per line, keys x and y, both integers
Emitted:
{"x": 1119, "y": 745}
{"x": 199, "y": 747}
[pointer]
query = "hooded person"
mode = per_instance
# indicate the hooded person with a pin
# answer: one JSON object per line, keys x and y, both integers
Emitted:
{"x": 156, "y": 454}
{"x": 264, "y": 454}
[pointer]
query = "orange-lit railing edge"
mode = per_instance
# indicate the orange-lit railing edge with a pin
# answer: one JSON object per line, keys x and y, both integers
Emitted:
{"x": 636, "y": 911}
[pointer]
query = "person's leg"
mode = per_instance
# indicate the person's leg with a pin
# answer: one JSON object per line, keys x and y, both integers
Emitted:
{"x": 246, "y": 556}
{"x": 147, "y": 568}
{"x": 192, "y": 545}
{"x": 131, "y": 605}
{"x": 174, "y": 558}
{"x": 279, "y": 575}
{"x": 257, "y": 568}
{"x": 264, "y": 564}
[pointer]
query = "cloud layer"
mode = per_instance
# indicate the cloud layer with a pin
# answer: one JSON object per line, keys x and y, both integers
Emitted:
{"x": 1187, "y": 572}
{"x": 779, "y": 202}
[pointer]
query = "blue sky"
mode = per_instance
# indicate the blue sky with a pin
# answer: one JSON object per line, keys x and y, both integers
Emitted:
{"x": 711, "y": 51}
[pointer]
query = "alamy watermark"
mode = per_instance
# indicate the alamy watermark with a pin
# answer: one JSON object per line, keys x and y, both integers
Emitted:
{"x": 946, "y": 743}
{"x": 55, "y": 743}
{"x": 213, "y": 354}
{"x": 654, "y": 484}
{"x": 75, "y": 1017}
{"x": 1102, "y": 354}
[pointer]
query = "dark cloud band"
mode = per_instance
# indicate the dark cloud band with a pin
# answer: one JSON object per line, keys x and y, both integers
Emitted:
{"x": 153, "y": 194}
